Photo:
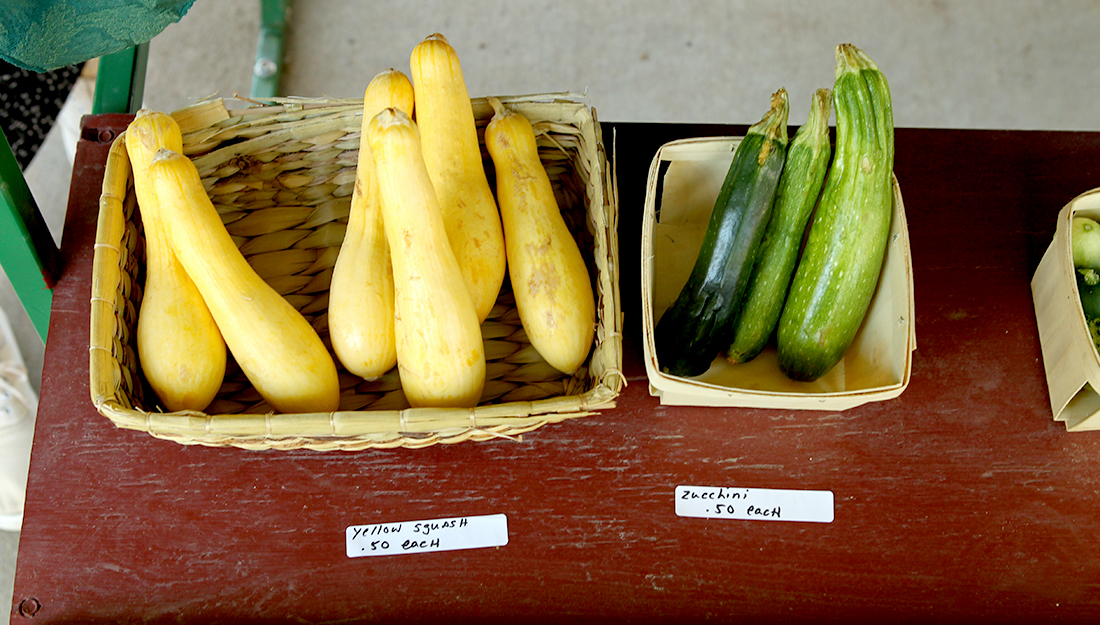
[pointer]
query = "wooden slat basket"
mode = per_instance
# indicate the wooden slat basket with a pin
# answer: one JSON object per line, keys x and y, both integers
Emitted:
{"x": 295, "y": 159}
{"x": 684, "y": 178}
{"x": 1070, "y": 359}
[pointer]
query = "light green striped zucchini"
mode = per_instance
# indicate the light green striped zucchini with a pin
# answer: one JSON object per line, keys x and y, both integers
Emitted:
{"x": 840, "y": 265}
{"x": 799, "y": 187}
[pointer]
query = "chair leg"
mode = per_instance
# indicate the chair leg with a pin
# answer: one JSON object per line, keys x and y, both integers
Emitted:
{"x": 268, "y": 69}
{"x": 120, "y": 81}
{"x": 28, "y": 254}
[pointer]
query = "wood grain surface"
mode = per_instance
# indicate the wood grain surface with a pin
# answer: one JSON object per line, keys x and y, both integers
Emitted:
{"x": 961, "y": 500}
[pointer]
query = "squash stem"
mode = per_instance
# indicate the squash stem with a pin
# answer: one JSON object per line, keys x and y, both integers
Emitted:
{"x": 773, "y": 125}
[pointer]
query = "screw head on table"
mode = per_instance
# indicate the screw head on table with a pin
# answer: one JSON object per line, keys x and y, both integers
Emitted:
{"x": 29, "y": 606}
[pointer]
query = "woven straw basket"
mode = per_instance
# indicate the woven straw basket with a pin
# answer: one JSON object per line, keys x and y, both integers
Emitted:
{"x": 281, "y": 174}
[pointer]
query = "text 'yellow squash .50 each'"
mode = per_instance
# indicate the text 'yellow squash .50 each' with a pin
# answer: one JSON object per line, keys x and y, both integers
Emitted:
{"x": 180, "y": 348}
{"x": 440, "y": 351}
{"x": 549, "y": 277}
{"x": 275, "y": 346}
{"x": 360, "y": 310}
{"x": 452, "y": 154}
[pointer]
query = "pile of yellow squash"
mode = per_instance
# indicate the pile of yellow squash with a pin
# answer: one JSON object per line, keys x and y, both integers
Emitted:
{"x": 420, "y": 268}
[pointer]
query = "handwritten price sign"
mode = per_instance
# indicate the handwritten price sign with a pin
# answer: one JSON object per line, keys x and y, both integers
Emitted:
{"x": 387, "y": 539}
{"x": 751, "y": 504}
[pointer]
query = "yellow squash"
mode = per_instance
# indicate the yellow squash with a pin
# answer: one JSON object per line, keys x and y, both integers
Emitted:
{"x": 452, "y": 155}
{"x": 180, "y": 347}
{"x": 549, "y": 277}
{"x": 275, "y": 346}
{"x": 440, "y": 351}
{"x": 360, "y": 310}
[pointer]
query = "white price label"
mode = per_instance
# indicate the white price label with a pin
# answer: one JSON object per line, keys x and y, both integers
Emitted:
{"x": 387, "y": 539}
{"x": 754, "y": 504}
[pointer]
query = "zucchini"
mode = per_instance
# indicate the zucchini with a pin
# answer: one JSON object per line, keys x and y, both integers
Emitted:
{"x": 1088, "y": 289}
{"x": 840, "y": 265}
{"x": 699, "y": 324}
{"x": 799, "y": 187}
{"x": 1085, "y": 243}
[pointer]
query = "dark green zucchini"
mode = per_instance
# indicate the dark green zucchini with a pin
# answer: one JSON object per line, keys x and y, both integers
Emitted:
{"x": 699, "y": 324}
{"x": 799, "y": 186}
{"x": 840, "y": 265}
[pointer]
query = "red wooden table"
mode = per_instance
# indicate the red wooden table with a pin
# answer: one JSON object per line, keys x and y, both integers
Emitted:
{"x": 959, "y": 500}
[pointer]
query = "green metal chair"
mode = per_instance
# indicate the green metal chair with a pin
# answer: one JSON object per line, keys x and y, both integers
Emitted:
{"x": 28, "y": 254}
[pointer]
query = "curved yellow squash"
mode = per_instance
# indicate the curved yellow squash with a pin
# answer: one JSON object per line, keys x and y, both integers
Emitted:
{"x": 549, "y": 278}
{"x": 360, "y": 310}
{"x": 440, "y": 351}
{"x": 274, "y": 345}
{"x": 180, "y": 347}
{"x": 452, "y": 155}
